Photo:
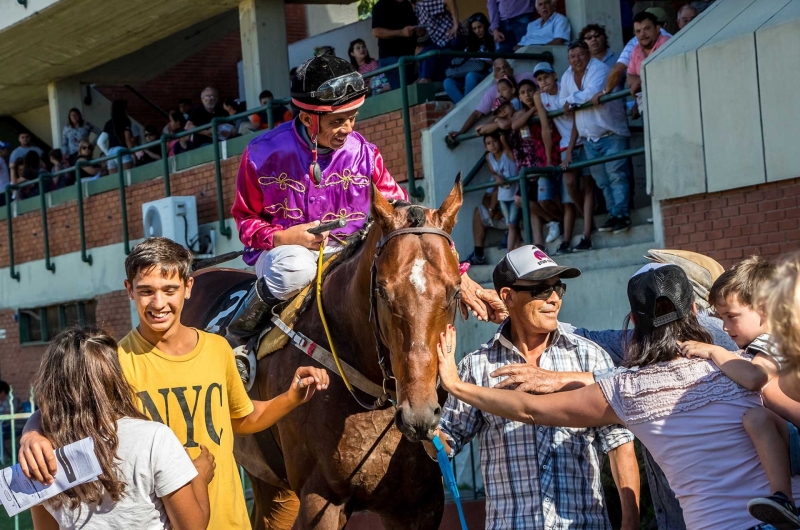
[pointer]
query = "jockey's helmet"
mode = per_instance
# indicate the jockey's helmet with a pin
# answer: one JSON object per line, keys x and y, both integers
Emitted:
{"x": 327, "y": 84}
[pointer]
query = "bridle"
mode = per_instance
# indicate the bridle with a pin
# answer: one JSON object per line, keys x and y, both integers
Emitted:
{"x": 380, "y": 340}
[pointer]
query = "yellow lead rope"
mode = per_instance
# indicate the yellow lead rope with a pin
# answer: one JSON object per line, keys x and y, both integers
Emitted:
{"x": 325, "y": 322}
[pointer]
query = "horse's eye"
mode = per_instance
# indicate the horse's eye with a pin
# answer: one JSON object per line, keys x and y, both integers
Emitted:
{"x": 382, "y": 292}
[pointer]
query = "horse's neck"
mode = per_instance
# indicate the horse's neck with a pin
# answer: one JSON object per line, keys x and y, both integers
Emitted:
{"x": 347, "y": 302}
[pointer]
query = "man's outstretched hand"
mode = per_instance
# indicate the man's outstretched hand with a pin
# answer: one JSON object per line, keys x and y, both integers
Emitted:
{"x": 484, "y": 304}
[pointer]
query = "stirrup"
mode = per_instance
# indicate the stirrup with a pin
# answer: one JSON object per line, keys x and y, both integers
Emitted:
{"x": 253, "y": 315}
{"x": 245, "y": 357}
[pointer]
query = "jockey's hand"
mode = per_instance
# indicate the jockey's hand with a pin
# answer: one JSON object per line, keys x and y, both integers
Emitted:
{"x": 307, "y": 380}
{"x": 298, "y": 235}
{"x": 484, "y": 304}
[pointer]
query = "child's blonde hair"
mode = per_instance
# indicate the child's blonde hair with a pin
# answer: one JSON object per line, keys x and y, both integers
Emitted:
{"x": 780, "y": 297}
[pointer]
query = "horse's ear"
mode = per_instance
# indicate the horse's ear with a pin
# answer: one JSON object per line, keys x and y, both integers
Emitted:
{"x": 381, "y": 210}
{"x": 447, "y": 214}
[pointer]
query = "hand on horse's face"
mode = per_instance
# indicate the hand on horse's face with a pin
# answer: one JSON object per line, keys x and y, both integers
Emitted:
{"x": 307, "y": 380}
{"x": 446, "y": 351}
{"x": 298, "y": 235}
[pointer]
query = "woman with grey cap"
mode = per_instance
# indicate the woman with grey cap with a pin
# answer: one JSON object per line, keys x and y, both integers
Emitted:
{"x": 685, "y": 411}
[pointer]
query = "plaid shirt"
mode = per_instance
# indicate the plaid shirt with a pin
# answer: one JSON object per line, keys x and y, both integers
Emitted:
{"x": 536, "y": 477}
{"x": 434, "y": 14}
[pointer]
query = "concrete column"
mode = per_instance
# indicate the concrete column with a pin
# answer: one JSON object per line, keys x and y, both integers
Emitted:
{"x": 62, "y": 96}
{"x": 265, "y": 58}
{"x": 603, "y": 12}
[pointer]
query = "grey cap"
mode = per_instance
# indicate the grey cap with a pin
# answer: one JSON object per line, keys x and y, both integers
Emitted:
{"x": 543, "y": 67}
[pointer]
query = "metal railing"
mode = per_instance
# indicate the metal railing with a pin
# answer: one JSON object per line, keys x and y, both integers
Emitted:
{"x": 12, "y": 419}
{"x": 414, "y": 190}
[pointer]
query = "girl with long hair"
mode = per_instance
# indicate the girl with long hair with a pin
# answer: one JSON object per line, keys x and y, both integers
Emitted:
{"x": 75, "y": 130}
{"x": 148, "y": 480}
{"x": 686, "y": 412}
{"x": 465, "y": 74}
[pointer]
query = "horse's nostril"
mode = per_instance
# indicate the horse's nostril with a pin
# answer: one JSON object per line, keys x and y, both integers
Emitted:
{"x": 437, "y": 411}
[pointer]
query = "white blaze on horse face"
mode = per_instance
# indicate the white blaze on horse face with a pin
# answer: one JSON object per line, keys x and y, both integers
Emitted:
{"x": 417, "y": 277}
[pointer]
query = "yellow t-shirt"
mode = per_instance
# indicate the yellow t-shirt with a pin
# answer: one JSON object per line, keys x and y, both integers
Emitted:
{"x": 195, "y": 395}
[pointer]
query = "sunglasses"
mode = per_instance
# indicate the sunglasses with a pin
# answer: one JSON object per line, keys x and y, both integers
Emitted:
{"x": 541, "y": 292}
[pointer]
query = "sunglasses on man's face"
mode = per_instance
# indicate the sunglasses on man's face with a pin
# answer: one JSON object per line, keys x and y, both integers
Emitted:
{"x": 541, "y": 291}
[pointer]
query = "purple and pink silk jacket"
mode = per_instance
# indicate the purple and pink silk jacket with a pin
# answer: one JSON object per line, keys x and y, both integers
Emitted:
{"x": 274, "y": 191}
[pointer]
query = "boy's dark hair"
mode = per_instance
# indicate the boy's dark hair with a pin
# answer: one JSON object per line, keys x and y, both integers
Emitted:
{"x": 497, "y": 135}
{"x": 160, "y": 252}
{"x": 509, "y": 81}
{"x": 151, "y": 129}
{"x": 525, "y": 82}
{"x": 55, "y": 153}
{"x": 265, "y": 94}
{"x": 5, "y": 388}
{"x": 646, "y": 15}
{"x": 743, "y": 281}
{"x": 177, "y": 116}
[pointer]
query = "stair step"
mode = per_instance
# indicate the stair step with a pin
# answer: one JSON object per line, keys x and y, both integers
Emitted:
{"x": 599, "y": 258}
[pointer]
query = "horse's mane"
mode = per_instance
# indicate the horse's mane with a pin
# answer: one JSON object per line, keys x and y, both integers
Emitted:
{"x": 353, "y": 243}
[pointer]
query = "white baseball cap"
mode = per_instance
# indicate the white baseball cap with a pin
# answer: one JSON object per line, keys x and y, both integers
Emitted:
{"x": 529, "y": 263}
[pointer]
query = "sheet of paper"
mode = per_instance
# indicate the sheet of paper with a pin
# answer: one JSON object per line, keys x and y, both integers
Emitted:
{"x": 77, "y": 464}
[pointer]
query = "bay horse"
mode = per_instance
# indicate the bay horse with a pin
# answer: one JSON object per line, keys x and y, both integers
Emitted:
{"x": 340, "y": 457}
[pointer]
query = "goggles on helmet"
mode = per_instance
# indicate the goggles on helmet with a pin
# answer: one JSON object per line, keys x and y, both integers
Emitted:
{"x": 336, "y": 88}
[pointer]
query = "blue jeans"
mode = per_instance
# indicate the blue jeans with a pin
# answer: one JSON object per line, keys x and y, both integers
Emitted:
{"x": 611, "y": 177}
{"x": 513, "y": 29}
{"x": 454, "y": 87}
{"x": 393, "y": 76}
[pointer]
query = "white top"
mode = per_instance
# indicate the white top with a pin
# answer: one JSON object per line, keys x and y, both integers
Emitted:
{"x": 153, "y": 464}
{"x": 595, "y": 122}
{"x": 563, "y": 122}
{"x": 689, "y": 416}
{"x": 556, "y": 27}
{"x": 507, "y": 168}
{"x": 625, "y": 56}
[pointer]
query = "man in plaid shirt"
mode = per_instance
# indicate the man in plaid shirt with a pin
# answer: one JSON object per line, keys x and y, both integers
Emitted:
{"x": 536, "y": 477}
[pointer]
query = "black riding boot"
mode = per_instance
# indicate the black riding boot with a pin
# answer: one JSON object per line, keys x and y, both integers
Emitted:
{"x": 253, "y": 316}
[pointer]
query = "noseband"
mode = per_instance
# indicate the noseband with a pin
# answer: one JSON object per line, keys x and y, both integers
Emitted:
{"x": 373, "y": 308}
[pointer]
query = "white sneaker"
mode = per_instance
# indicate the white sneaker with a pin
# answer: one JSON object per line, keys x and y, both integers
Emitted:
{"x": 554, "y": 231}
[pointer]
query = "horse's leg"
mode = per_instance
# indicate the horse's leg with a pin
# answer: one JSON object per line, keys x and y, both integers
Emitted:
{"x": 274, "y": 508}
{"x": 424, "y": 515}
{"x": 317, "y": 509}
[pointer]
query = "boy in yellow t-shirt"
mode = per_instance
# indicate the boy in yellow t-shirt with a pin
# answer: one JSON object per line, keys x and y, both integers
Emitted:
{"x": 186, "y": 379}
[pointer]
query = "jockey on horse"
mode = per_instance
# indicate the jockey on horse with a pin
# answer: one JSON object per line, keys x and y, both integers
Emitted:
{"x": 314, "y": 169}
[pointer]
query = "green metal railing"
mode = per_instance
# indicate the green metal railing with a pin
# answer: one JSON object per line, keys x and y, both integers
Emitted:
{"x": 414, "y": 190}
{"x": 12, "y": 418}
{"x": 528, "y": 172}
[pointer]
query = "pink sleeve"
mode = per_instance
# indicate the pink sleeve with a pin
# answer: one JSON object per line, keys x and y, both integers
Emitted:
{"x": 384, "y": 181}
{"x": 485, "y": 106}
{"x": 255, "y": 230}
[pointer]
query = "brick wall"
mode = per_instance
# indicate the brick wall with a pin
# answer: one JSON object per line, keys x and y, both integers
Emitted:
{"x": 734, "y": 224}
{"x": 214, "y": 66}
{"x": 18, "y": 364}
{"x": 102, "y": 215}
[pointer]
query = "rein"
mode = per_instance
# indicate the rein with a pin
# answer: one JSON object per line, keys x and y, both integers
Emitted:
{"x": 381, "y": 401}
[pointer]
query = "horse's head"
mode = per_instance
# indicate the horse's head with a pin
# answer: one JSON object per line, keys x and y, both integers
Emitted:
{"x": 417, "y": 288}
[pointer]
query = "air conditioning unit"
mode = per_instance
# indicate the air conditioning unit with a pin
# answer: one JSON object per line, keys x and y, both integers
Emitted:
{"x": 174, "y": 218}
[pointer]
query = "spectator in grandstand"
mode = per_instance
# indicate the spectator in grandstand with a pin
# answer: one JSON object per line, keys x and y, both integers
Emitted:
{"x": 646, "y": 27}
{"x": 58, "y": 163}
{"x": 686, "y": 14}
{"x": 596, "y": 38}
{"x": 231, "y": 107}
{"x": 440, "y": 18}
{"x": 259, "y": 120}
{"x": 5, "y": 174}
{"x": 28, "y": 169}
{"x": 5, "y": 390}
{"x": 431, "y": 69}
{"x": 24, "y": 147}
{"x": 616, "y": 77}
{"x": 120, "y": 134}
{"x": 604, "y": 128}
{"x": 550, "y": 28}
{"x": 393, "y": 24}
{"x": 147, "y": 478}
{"x": 360, "y": 58}
{"x": 151, "y": 154}
{"x": 509, "y": 21}
{"x": 203, "y": 115}
{"x": 185, "y": 107}
{"x": 500, "y": 161}
{"x": 486, "y": 215}
{"x": 88, "y": 171}
{"x": 535, "y": 144}
{"x": 500, "y": 68}
{"x": 176, "y": 124}
{"x": 464, "y": 74}
{"x": 76, "y": 130}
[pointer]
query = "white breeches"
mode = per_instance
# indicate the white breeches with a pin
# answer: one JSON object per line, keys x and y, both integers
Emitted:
{"x": 289, "y": 268}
